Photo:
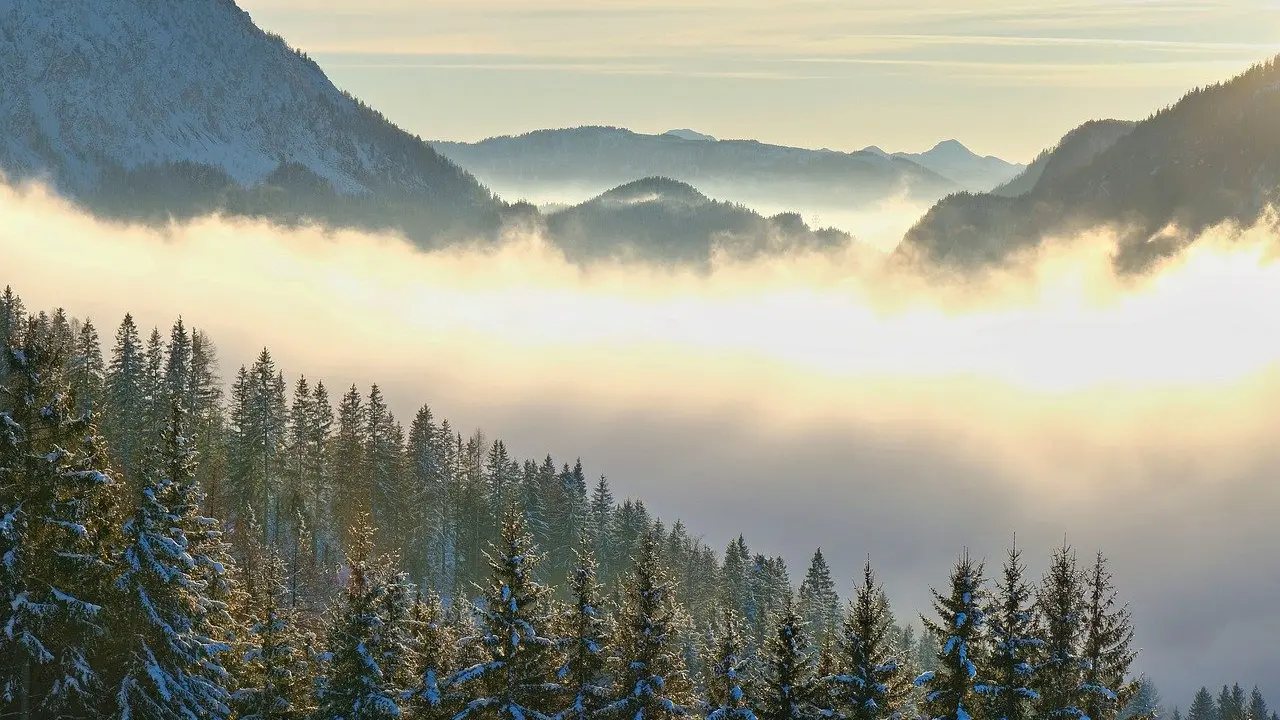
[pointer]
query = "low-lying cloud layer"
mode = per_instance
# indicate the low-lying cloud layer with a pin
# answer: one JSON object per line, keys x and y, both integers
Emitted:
{"x": 803, "y": 401}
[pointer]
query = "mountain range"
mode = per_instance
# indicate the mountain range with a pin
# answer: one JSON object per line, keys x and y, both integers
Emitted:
{"x": 573, "y": 162}
{"x": 151, "y": 110}
{"x": 1212, "y": 157}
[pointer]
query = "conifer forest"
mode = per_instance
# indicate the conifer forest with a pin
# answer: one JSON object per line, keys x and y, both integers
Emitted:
{"x": 179, "y": 544}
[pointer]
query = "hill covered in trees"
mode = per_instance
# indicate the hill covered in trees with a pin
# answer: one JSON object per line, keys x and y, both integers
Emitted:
{"x": 1210, "y": 158}
{"x": 171, "y": 552}
{"x": 659, "y": 219}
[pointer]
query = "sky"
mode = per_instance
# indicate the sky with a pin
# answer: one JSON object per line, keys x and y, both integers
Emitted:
{"x": 804, "y": 401}
{"x": 1004, "y": 77}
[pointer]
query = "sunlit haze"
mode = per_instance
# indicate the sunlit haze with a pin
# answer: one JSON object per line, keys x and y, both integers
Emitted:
{"x": 1019, "y": 399}
{"x": 1006, "y": 79}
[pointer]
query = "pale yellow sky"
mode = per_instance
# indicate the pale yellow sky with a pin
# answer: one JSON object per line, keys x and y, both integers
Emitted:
{"x": 1005, "y": 78}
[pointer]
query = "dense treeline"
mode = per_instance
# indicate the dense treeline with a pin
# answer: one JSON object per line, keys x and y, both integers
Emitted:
{"x": 168, "y": 552}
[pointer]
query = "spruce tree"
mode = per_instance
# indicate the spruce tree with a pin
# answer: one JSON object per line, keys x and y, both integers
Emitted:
{"x": 88, "y": 374}
{"x": 1061, "y": 607}
{"x": 357, "y": 686}
{"x": 124, "y": 422}
{"x": 168, "y": 665}
{"x": 788, "y": 686}
{"x": 1202, "y": 706}
{"x": 1232, "y": 703}
{"x": 952, "y": 692}
{"x": 177, "y": 375}
{"x": 651, "y": 674}
{"x": 584, "y": 673}
{"x": 55, "y": 517}
{"x": 277, "y": 678}
{"x": 726, "y": 697}
{"x": 351, "y": 490}
{"x": 1014, "y": 645}
{"x": 819, "y": 602}
{"x": 155, "y": 395}
{"x": 1257, "y": 706}
{"x": 601, "y": 518}
{"x": 1106, "y": 652}
{"x": 433, "y": 698}
{"x": 1145, "y": 703}
{"x": 515, "y": 679}
{"x": 869, "y": 684}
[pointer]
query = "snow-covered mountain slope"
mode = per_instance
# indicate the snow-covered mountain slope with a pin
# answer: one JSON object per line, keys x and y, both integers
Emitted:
{"x": 87, "y": 87}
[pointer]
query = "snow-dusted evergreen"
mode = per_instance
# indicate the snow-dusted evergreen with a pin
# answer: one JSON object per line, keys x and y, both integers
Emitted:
{"x": 819, "y": 602}
{"x": 728, "y": 671}
{"x": 868, "y": 683}
{"x": 276, "y": 671}
{"x": 515, "y": 677}
{"x": 432, "y": 698}
{"x": 168, "y": 667}
{"x": 651, "y": 677}
{"x": 1061, "y": 604}
{"x": 54, "y": 495}
{"x": 789, "y": 688}
{"x": 356, "y": 685}
{"x": 953, "y": 691}
{"x": 1106, "y": 647}
{"x": 222, "y": 611}
{"x": 1015, "y": 645}
{"x": 587, "y": 636}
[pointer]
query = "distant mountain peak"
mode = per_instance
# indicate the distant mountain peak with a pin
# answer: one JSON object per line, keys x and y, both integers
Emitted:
{"x": 686, "y": 134}
{"x": 951, "y": 147}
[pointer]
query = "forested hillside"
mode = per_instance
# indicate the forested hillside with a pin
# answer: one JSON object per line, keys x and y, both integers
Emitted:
{"x": 288, "y": 552}
{"x": 1210, "y": 158}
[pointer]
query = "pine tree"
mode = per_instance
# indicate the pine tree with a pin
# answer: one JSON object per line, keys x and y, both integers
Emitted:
{"x": 168, "y": 666}
{"x": 789, "y": 689}
{"x": 427, "y": 512}
{"x": 584, "y": 673}
{"x": 515, "y": 678}
{"x": 1061, "y": 608}
{"x": 177, "y": 375}
{"x": 125, "y": 420}
{"x": 952, "y": 692}
{"x": 869, "y": 685}
{"x": 1106, "y": 650}
{"x": 726, "y": 696}
{"x": 319, "y": 475}
{"x": 357, "y": 686}
{"x": 155, "y": 396}
{"x": 277, "y": 682}
{"x": 1257, "y": 706}
{"x": 88, "y": 374}
{"x": 1145, "y": 703}
{"x": 733, "y": 577}
{"x": 819, "y": 602}
{"x": 1014, "y": 645}
{"x": 433, "y": 698}
{"x": 601, "y": 517}
{"x": 651, "y": 674}
{"x": 1202, "y": 706}
{"x": 352, "y": 494}
{"x": 55, "y": 506}
{"x": 1231, "y": 703}
{"x": 208, "y": 424}
{"x": 385, "y": 462}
